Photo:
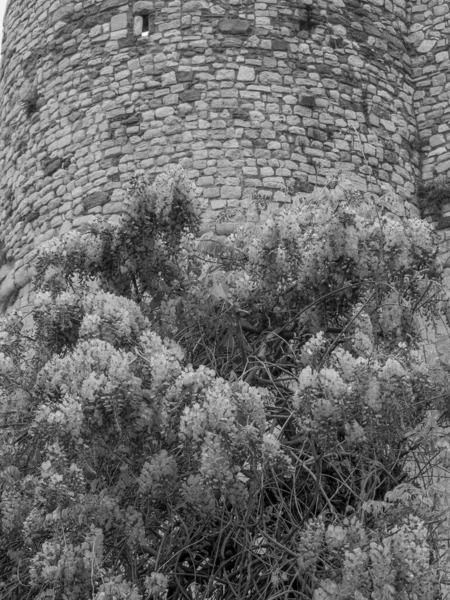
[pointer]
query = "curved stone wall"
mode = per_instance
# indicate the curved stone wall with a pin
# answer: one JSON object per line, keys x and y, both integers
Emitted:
{"x": 269, "y": 96}
{"x": 429, "y": 31}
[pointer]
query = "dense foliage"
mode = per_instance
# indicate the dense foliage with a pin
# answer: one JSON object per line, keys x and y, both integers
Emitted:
{"x": 225, "y": 419}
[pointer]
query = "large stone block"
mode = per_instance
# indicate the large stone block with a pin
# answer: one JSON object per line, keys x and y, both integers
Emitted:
{"x": 235, "y": 26}
{"x": 95, "y": 199}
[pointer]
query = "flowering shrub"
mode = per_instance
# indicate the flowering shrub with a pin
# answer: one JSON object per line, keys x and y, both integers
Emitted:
{"x": 266, "y": 451}
{"x": 144, "y": 251}
{"x": 124, "y": 439}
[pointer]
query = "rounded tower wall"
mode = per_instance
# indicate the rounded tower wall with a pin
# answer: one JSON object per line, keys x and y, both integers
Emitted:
{"x": 249, "y": 96}
{"x": 428, "y": 36}
{"x": 429, "y": 33}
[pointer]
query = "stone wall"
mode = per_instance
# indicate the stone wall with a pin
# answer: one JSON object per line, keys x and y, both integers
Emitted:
{"x": 269, "y": 96}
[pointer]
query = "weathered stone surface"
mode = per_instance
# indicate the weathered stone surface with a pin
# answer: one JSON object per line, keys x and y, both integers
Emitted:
{"x": 62, "y": 13}
{"x": 50, "y": 166}
{"x": 246, "y": 74}
{"x": 280, "y": 45}
{"x": 143, "y": 7}
{"x": 195, "y": 5}
{"x": 309, "y": 101}
{"x": 119, "y": 22}
{"x": 190, "y": 95}
{"x": 426, "y": 46}
{"x": 270, "y": 78}
{"x": 109, "y": 4}
{"x": 95, "y": 199}
{"x": 257, "y": 98}
{"x": 235, "y": 26}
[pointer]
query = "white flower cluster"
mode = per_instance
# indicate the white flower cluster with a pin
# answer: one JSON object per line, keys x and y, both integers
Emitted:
{"x": 112, "y": 318}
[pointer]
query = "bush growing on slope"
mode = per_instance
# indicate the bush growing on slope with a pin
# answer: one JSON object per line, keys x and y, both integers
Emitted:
{"x": 129, "y": 473}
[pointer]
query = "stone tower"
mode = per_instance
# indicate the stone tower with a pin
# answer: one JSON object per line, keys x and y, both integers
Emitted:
{"x": 248, "y": 95}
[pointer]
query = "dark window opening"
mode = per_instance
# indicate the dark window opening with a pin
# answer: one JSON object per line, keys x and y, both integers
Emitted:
{"x": 308, "y": 19}
{"x": 145, "y": 25}
{"x": 305, "y": 20}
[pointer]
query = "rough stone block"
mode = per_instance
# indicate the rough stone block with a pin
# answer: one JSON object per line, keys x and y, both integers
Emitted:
{"x": 246, "y": 73}
{"x": 108, "y": 4}
{"x": 138, "y": 25}
{"x": 441, "y": 56}
{"x": 437, "y": 140}
{"x": 95, "y": 199}
{"x": 270, "y": 78}
{"x": 119, "y": 22}
{"x": 117, "y": 35}
{"x": 235, "y": 26}
{"x": 164, "y": 111}
{"x": 229, "y": 191}
{"x": 143, "y": 7}
{"x": 63, "y": 13}
{"x": 426, "y": 46}
{"x": 195, "y": 6}
{"x": 212, "y": 192}
{"x": 222, "y": 74}
{"x": 190, "y": 95}
{"x": 280, "y": 45}
{"x": 184, "y": 76}
{"x": 309, "y": 101}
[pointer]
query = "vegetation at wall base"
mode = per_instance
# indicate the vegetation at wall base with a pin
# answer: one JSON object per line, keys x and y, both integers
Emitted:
{"x": 226, "y": 419}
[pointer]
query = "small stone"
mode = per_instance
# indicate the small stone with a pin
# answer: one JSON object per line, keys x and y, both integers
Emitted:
{"x": 356, "y": 61}
{"x": 218, "y": 204}
{"x": 416, "y": 36}
{"x": 212, "y": 192}
{"x": 151, "y": 134}
{"x": 190, "y": 95}
{"x": 184, "y": 109}
{"x": 440, "y": 10}
{"x": 163, "y": 112}
{"x": 119, "y": 22}
{"x": 62, "y": 13}
{"x": 388, "y": 125}
{"x": 194, "y": 5}
{"x": 52, "y": 166}
{"x": 270, "y": 78}
{"x": 222, "y": 74}
{"x": 117, "y": 35}
{"x": 280, "y": 197}
{"x": 95, "y": 199}
{"x": 441, "y": 56}
{"x": 329, "y": 84}
{"x": 309, "y": 101}
{"x": 143, "y": 7}
{"x": 274, "y": 182}
{"x": 280, "y": 45}
{"x": 183, "y": 76}
{"x": 437, "y": 140}
{"x": 317, "y": 134}
{"x": 169, "y": 78}
{"x": 138, "y": 25}
{"x": 229, "y": 191}
{"x": 289, "y": 99}
{"x": 206, "y": 181}
{"x": 426, "y": 46}
{"x": 246, "y": 73}
{"x": 83, "y": 224}
{"x": 235, "y": 26}
{"x": 443, "y": 167}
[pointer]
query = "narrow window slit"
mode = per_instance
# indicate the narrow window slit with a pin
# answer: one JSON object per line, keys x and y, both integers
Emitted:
{"x": 145, "y": 25}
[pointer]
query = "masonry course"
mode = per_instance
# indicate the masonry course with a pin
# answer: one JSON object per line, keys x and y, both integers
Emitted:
{"x": 270, "y": 97}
